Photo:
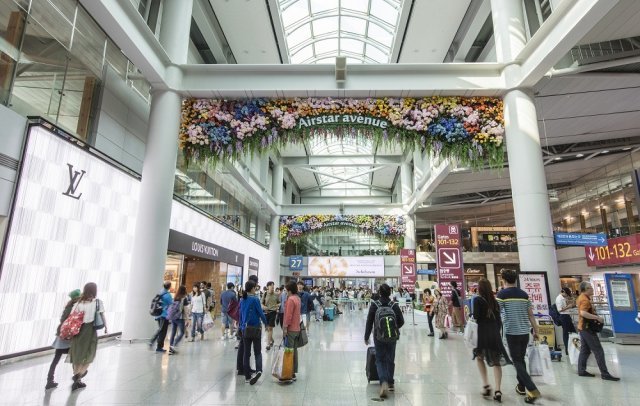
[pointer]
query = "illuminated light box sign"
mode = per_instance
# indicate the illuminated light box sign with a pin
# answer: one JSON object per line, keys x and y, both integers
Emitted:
{"x": 359, "y": 267}
{"x": 73, "y": 222}
{"x": 535, "y": 284}
{"x": 618, "y": 251}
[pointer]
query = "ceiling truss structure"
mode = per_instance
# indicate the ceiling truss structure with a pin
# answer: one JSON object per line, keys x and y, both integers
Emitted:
{"x": 570, "y": 22}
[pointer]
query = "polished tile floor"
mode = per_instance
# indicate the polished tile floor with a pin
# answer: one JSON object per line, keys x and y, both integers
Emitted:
{"x": 428, "y": 372}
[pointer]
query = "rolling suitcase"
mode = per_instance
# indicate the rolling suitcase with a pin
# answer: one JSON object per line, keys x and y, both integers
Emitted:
{"x": 330, "y": 313}
{"x": 372, "y": 371}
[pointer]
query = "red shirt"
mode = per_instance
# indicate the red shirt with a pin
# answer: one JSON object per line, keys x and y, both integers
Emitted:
{"x": 292, "y": 313}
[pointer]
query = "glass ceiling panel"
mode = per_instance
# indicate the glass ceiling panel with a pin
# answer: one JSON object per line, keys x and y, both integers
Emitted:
{"x": 339, "y": 28}
{"x": 346, "y": 176}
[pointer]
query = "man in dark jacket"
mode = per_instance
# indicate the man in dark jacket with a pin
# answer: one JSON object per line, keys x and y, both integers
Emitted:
{"x": 385, "y": 351}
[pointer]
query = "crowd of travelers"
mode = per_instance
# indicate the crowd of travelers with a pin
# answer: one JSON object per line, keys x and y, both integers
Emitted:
{"x": 505, "y": 322}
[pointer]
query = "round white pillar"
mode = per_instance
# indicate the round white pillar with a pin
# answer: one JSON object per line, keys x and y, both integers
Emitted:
{"x": 536, "y": 246}
{"x": 154, "y": 214}
{"x": 174, "y": 29}
{"x": 274, "y": 249}
{"x": 278, "y": 180}
{"x": 410, "y": 233}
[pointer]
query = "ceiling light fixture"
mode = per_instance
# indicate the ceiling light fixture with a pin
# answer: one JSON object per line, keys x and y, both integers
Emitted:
{"x": 606, "y": 151}
{"x": 579, "y": 155}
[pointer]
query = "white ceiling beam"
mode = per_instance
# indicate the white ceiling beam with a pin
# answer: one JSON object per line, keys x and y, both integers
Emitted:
{"x": 203, "y": 15}
{"x": 342, "y": 160}
{"x": 482, "y": 12}
{"x": 348, "y": 209}
{"x": 124, "y": 25}
{"x": 565, "y": 27}
{"x": 437, "y": 175}
{"x": 319, "y": 80}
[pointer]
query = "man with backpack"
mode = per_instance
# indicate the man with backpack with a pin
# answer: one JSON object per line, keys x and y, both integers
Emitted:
{"x": 385, "y": 320}
{"x": 228, "y": 299}
{"x": 159, "y": 307}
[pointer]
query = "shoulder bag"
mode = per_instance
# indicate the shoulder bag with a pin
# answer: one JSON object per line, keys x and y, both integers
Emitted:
{"x": 71, "y": 326}
{"x": 98, "y": 322}
{"x": 303, "y": 337}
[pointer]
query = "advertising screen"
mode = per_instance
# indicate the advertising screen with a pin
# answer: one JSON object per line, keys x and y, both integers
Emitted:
{"x": 73, "y": 222}
{"x": 361, "y": 267}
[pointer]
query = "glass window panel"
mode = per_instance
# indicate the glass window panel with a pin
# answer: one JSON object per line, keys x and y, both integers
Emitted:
{"x": 376, "y": 54}
{"x": 53, "y": 21}
{"x": 295, "y": 12}
{"x": 354, "y": 60}
{"x": 352, "y": 45}
{"x": 380, "y": 34}
{"x": 298, "y": 36}
{"x": 326, "y": 46}
{"x": 302, "y": 55}
{"x": 116, "y": 59}
{"x": 12, "y": 23}
{"x": 318, "y": 6}
{"x": 357, "y": 5}
{"x": 325, "y": 25}
{"x": 326, "y": 61}
{"x": 384, "y": 11}
{"x": 88, "y": 42}
{"x": 354, "y": 25}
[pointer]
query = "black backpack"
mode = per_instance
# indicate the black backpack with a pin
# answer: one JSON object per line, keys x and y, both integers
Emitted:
{"x": 156, "y": 306}
{"x": 555, "y": 315}
{"x": 386, "y": 327}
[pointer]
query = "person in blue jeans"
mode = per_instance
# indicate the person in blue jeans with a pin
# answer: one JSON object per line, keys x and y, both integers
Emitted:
{"x": 177, "y": 325}
{"x": 198, "y": 307}
{"x": 163, "y": 324}
{"x": 385, "y": 351}
{"x": 250, "y": 316}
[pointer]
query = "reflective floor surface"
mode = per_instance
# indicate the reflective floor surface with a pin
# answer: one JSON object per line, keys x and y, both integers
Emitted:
{"x": 429, "y": 371}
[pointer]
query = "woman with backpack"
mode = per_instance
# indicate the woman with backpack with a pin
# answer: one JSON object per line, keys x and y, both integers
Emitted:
{"x": 384, "y": 320}
{"x": 61, "y": 346}
{"x": 440, "y": 310}
{"x": 489, "y": 349}
{"x": 85, "y": 344}
{"x": 177, "y": 314}
{"x": 198, "y": 307}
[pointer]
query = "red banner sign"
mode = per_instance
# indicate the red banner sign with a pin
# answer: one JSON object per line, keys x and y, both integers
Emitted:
{"x": 619, "y": 251}
{"x": 408, "y": 269}
{"x": 449, "y": 258}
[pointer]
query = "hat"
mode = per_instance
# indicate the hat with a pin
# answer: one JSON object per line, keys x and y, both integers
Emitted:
{"x": 74, "y": 294}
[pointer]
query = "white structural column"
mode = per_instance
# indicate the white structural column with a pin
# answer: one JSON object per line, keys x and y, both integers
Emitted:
{"x": 278, "y": 179}
{"x": 406, "y": 182}
{"x": 274, "y": 248}
{"x": 410, "y": 234}
{"x": 536, "y": 245}
{"x": 156, "y": 189}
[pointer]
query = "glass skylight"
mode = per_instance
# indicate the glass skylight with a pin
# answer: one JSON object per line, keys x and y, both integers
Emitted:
{"x": 342, "y": 176}
{"x": 316, "y": 31}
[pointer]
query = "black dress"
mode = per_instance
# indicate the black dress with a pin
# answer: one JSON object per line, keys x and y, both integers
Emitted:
{"x": 490, "y": 346}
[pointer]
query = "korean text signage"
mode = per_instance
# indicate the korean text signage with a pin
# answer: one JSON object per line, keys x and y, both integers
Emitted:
{"x": 408, "y": 269}
{"x": 618, "y": 251}
{"x": 254, "y": 266}
{"x": 581, "y": 239}
{"x": 295, "y": 263}
{"x": 186, "y": 244}
{"x": 449, "y": 258}
{"x": 535, "y": 284}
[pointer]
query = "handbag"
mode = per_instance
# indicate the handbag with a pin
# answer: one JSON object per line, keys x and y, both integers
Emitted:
{"x": 207, "y": 322}
{"x": 594, "y": 326}
{"x": 535, "y": 361}
{"x": 471, "y": 333}
{"x": 303, "y": 337}
{"x": 71, "y": 326}
{"x": 98, "y": 322}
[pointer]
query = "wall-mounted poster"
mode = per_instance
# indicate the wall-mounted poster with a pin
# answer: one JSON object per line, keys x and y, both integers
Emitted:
{"x": 535, "y": 284}
{"x": 362, "y": 267}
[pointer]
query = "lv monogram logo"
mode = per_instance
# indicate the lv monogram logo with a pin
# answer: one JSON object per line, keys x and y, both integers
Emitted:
{"x": 74, "y": 180}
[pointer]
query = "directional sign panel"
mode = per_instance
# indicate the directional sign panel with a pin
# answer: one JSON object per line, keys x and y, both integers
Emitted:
{"x": 408, "y": 269}
{"x": 618, "y": 251}
{"x": 449, "y": 257}
{"x": 581, "y": 239}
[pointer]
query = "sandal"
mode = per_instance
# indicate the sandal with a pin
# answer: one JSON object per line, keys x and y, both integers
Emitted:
{"x": 497, "y": 396}
{"x": 487, "y": 391}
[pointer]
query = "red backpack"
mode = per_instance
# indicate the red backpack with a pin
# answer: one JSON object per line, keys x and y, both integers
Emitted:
{"x": 71, "y": 326}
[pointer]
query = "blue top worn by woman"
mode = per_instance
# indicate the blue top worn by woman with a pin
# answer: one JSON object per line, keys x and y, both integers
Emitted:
{"x": 251, "y": 312}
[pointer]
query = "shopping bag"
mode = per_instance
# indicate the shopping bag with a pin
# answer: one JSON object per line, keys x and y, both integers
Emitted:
{"x": 303, "y": 337}
{"x": 283, "y": 364}
{"x": 71, "y": 326}
{"x": 548, "y": 376}
{"x": 207, "y": 322}
{"x": 574, "y": 348}
{"x": 447, "y": 321}
{"x": 471, "y": 334}
{"x": 535, "y": 362}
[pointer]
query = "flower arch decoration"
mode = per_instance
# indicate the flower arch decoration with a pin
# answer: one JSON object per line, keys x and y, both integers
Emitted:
{"x": 385, "y": 226}
{"x": 469, "y": 130}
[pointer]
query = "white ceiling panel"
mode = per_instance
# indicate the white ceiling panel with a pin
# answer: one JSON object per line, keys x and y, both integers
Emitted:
{"x": 292, "y": 150}
{"x": 247, "y": 28}
{"x": 431, "y": 28}
{"x": 623, "y": 21}
{"x": 384, "y": 177}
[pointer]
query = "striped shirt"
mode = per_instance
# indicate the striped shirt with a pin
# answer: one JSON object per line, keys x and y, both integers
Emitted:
{"x": 514, "y": 308}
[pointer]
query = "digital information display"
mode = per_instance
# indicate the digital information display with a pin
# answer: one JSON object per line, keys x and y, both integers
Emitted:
{"x": 358, "y": 267}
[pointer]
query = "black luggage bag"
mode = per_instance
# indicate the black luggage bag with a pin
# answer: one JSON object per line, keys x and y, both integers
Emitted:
{"x": 372, "y": 371}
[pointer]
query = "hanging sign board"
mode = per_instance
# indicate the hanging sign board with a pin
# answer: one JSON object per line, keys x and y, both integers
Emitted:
{"x": 449, "y": 258}
{"x": 617, "y": 251}
{"x": 408, "y": 269}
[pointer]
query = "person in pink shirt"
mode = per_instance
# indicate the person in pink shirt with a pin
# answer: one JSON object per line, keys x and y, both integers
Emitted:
{"x": 291, "y": 322}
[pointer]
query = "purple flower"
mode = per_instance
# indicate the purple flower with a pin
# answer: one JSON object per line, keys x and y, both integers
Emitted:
{"x": 263, "y": 142}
